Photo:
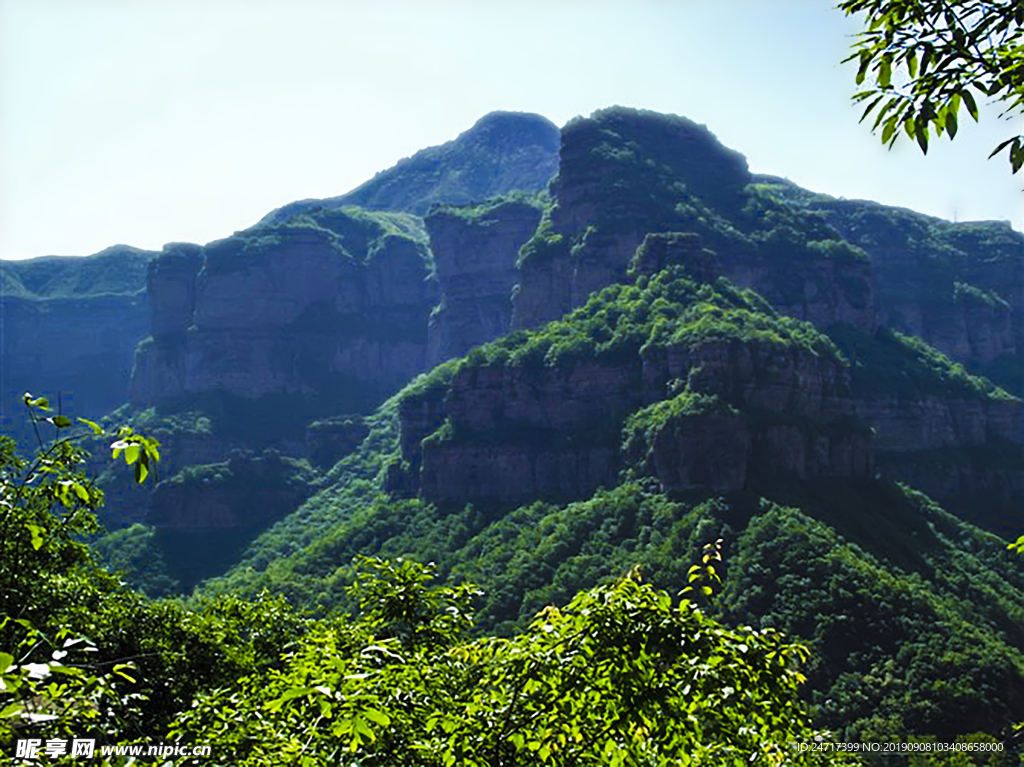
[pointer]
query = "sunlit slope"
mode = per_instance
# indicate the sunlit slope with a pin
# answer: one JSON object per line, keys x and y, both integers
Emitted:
{"x": 914, "y": 615}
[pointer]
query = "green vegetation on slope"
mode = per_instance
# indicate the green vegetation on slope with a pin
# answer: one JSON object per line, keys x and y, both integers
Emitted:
{"x": 669, "y": 308}
{"x": 354, "y": 234}
{"x": 620, "y": 674}
{"x": 118, "y": 270}
{"x": 955, "y": 610}
{"x": 893, "y": 363}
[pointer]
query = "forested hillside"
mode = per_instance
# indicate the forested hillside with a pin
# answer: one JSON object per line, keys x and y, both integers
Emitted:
{"x": 538, "y": 478}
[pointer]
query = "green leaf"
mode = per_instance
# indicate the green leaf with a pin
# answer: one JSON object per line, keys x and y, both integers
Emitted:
{"x": 885, "y": 71}
{"x": 141, "y": 472}
{"x": 40, "y": 403}
{"x": 889, "y": 129}
{"x": 6, "y": 661}
{"x": 972, "y": 108}
{"x": 96, "y": 428}
{"x": 60, "y": 421}
{"x": 926, "y": 58}
{"x": 360, "y": 726}
{"x": 37, "y": 537}
{"x": 922, "y": 137}
{"x": 1017, "y": 155}
{"x": 997, "y": 150}
{"x": 909, "y": 126}
{"x": 131, "y": 453}
{"x": 870, "y": 106}
{"x": 292, "y": 694}
{"x": 377, "y": 717}
{"x": 865, "y": 59}
{"x": 119, "y": 669}
{"x": 951, "y": 123}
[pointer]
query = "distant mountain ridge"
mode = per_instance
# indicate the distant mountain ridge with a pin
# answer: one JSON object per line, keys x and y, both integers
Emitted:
{"x": 501, "y": 153}
{"x": 43, "y": 350}
{"x": 71, "y": 325}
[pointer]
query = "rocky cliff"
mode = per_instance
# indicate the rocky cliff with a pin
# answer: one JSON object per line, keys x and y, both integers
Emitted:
{"x": 958, "y": 286}
{"x": 695, "y": 383}
{"x": 332, "y": 305}
{"x": 205, "y": 515}
{"x": 625, "y": 173}
{"x": 475, "y": 250}
{"x": 70, "y": 327}
{"x": 557, "y": 413}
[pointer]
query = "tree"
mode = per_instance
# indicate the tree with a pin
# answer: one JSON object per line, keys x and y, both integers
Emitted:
{"x": 82, "y": 655}
{"x": 924, "y": 59}
{"x": 619, "y": 676}
{"x": 47, "y": 505}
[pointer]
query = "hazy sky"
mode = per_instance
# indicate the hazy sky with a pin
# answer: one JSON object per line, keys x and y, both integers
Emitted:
{"x": 146, "y": 122}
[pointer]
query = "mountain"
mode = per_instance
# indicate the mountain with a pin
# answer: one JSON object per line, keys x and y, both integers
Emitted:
{"x": 960, "y": 287}
{"x": 738, "y": 370}
{"x": 656, "y": 418}
{"x": 329, "y": 301}
{"x": 70, "y": 327}
{"x": 503, "y": 152}
{"x": 71, "y": 324}
{"x": 539, "y": 392}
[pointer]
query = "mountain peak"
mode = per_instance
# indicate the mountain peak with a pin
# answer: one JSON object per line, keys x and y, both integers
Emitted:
{"x": 501, "y": 153}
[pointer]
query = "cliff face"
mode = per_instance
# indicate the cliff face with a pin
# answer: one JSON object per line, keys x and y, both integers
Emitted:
{"x": 72, "y": 324}
{"x": 475, "y": 250}
{"x": 70, "y": 327}
{"x": 691, "y": 406}
{"x": 624, "y": 174}
{"x": 620, "y": 175}
{"x": 329, "y": 439}
{"x": 822, "y": 281}
{"x": 905, "y": 425}
{"x": 514, "y": 434}
{"x": 205, "y": 515}
{"x": 299, "y": 309}
{"x": 719, "y": 392}
{"x": 509, "y": 435}
{"x": 246, "y": 491}
{"x": 960, "y": 287}
{"x": 967, "y": 293}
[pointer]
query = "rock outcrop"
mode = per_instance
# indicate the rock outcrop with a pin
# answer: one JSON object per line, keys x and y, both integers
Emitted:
{"x": 206, "y": 514}
{"x": 506, "y": 431}
{"x": 330, "y": 439}
{"x": 621, "y": 174}
{"x": 70, "y": 328}
{"x": 513, "y": 434}
{"x": 333, "y": 306}
{"x": 958, "y": 286}
{"x": 475, "y": 250}
{"x": 625, "y": 174}
{"x": 246, "y": 491}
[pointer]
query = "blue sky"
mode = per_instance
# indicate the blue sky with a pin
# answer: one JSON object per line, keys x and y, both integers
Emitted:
{"x": 150, "y": 121}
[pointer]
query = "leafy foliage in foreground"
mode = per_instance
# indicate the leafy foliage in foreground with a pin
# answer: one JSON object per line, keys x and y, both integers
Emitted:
{"x": 923, "y": 54}
{"x": 620, "y": 676}
{"x": 81, "y": 655}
